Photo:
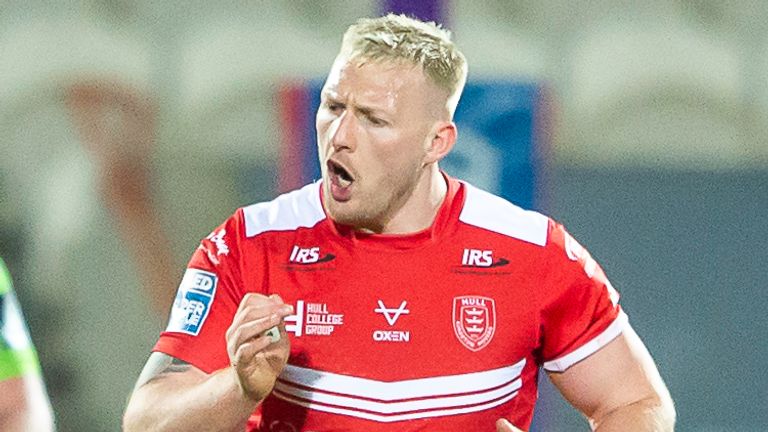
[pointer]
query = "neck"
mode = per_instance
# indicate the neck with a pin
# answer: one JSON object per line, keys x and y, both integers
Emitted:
{"x": 420, "y": 209}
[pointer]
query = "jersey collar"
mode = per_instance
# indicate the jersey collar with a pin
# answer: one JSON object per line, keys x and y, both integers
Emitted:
{"x": 449, "y": 211}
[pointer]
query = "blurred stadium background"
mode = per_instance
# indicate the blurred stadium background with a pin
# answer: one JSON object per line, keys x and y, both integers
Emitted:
{"x": 656, "y": 159}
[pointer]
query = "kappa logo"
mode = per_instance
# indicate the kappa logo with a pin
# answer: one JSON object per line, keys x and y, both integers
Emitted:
{"x": 577, "y": 252}
{"x": 217, "y": 238}
{"x": 310, "y": 255}
{"x": 573, "y": 249}
{"x": 474, "y": 321}
{"x": 392, "y": 315}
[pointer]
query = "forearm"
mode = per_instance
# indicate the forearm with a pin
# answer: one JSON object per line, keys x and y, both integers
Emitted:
{"x": 215, "y": 403}
{"x": 648, "y": 415}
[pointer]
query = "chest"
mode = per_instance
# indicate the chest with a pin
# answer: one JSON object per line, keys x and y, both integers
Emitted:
{"x": 359, "y": 311}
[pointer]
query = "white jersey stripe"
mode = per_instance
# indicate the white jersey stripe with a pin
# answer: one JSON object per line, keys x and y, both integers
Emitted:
{"x": 316, "y": 397}
{"x": 399, "y": 390}
{"x": 493, "y": 213}
{"x": 395, "y": 417}
{"x": 617, "y": 326}
{"x": 297, "y": 209}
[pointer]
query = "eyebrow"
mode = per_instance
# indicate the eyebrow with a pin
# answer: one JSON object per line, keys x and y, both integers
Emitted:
{"x": 363, "y": 109}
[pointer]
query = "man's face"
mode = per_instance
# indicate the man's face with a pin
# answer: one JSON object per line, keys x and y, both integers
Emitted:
{"x": 374, "y": 126}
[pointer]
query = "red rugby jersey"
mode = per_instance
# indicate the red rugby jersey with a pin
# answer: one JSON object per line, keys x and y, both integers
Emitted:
{"x": 444, "y": 329}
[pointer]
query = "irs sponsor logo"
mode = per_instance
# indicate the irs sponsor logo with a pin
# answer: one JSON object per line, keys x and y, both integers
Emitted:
{"x": 309, "y": 255}
{"x": 474, "y": 321}
{"x": 392, "y": 315}
{"x": 313, "y": 319}
{"x": 308, "y": 259}
{"x": 193, "y": 302}
{"x": 481, "y": 258}
{"x": 478, "y": 261}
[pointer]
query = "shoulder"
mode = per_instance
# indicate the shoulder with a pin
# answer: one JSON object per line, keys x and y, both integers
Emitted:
{"x": 485, "y": 210}
{"x": 300, "y": 208}
{"x": 287, "y": 212}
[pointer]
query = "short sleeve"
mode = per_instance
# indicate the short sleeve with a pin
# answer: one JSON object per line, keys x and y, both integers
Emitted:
{"x": 582, "y": 313}
{"x": 206, "y": 300}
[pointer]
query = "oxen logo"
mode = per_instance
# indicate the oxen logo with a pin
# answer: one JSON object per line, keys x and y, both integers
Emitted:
{"x": 474, "y": 321}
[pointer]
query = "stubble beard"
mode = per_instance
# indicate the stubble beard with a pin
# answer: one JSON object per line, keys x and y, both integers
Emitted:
{"x": 360, "y": 212}
{"x": 372, "y": 210}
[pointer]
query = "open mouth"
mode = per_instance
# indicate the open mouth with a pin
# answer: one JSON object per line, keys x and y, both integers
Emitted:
{"x": 339, "y": 175}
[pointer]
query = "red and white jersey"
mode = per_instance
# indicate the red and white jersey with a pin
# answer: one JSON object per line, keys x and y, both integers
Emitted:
{"x": 444, "y": 329}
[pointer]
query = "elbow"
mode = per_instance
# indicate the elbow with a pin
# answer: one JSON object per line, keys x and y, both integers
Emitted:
{"x": 142, "y": 414}
{"x": 134, "y": 417}
{"x": 654, "y": 413}
{"x": 130, "y": 418}
{"x": 666, "y": 412}
{"x": 663, "y": 409}
{"x": 660, "y": 412}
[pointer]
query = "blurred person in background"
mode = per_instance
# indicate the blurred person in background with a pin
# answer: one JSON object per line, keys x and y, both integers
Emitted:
{"x": 116, "y": 124}
{"x": 24, "y": 404}
{"x": 80, "y": 215}
{"x": 413, "y": 300}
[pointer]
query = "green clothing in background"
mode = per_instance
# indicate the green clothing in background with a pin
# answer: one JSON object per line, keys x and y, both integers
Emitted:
{"x": 17, "y": 354}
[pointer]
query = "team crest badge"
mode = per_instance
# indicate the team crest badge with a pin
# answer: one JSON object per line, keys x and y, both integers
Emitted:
{"x": 474, "y": 321}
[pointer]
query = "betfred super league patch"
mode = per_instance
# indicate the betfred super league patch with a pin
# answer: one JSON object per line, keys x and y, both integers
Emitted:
{"x": 193, "y": 302}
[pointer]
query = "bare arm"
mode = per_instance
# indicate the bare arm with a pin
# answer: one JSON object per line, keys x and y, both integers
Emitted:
{"x": 173, "y": 395}
{"x": 619, "y": 388}
{"x": 24, "y": 405}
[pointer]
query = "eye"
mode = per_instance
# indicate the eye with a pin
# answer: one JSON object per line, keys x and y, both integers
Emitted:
{"x": 334, "y": 107}
{"x": 376, "y": 121}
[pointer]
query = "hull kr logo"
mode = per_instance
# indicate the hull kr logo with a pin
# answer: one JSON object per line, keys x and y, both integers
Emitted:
{"x": 306, "y": 259}
{"x": 474, "y": 321}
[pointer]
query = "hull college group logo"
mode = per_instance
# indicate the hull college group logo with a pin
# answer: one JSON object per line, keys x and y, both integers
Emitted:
{"x": 474, "y": 321}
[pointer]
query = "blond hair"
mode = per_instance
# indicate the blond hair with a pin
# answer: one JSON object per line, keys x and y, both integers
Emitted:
{"x": 401, "y": 38}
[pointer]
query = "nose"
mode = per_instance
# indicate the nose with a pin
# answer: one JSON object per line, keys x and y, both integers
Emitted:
{"x": 342, "y": 132}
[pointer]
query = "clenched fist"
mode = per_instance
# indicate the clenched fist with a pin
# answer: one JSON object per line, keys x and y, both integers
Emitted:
{"x": 255, "y": 358}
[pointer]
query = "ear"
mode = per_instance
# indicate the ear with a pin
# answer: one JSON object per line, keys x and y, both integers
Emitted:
{"x": 443, "y": 138}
